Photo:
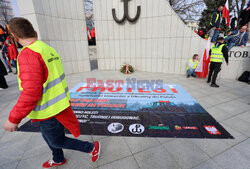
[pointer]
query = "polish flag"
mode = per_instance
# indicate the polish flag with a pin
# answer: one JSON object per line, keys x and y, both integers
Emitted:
{"x": 225, "y": 13}
{"x": 202, "y": 68}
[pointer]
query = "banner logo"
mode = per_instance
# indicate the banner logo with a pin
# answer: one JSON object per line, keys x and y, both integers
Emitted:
{"x": 115, "y": 128}
{"x": 159, "y": 127}
{"x": 212, "y": 130}
{"x": 126, "y": 14}
{"x": 136, "y": 128}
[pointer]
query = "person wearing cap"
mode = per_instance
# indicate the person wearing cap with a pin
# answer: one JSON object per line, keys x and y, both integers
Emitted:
{"x": 217, "y": 52}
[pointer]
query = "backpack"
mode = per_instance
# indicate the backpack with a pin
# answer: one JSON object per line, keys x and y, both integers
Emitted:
{"x": 245, "y": 77}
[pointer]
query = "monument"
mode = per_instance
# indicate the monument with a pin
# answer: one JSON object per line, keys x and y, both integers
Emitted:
{"x": 149, "y": 35}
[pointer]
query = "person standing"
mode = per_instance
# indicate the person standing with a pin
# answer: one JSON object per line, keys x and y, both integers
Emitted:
{"x": 216, "y": 23}
{"x": 245, "y": 16}
{"x": 192, "y": 65}
{"x": 217, "y": 52}
{"x": 4, "y": 52}
{"x": 3, "y": 72}
{"x": 12, "y": 52}
{"x": 45, "y": 95}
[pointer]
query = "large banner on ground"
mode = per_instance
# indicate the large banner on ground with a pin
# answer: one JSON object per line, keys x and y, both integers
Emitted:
{"x": 141, "y": 109}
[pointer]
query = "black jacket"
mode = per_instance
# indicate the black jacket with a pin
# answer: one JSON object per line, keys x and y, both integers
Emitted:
{"x": 224, "y": 51}
{"x": 217, "y": 23}
{"x": 3, "y": 71}
{"x": 244, "y": 17}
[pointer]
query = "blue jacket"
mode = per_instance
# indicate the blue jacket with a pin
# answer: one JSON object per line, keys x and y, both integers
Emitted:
{"x": 244, "y": 39}
{"x": 216, "y": 19}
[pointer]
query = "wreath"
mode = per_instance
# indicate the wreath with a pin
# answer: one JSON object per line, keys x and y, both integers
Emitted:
{"x": 127, "y": 69}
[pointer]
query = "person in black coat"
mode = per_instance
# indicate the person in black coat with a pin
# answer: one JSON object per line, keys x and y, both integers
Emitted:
{"x": 245, "y": 16}
{"x": 3, "y": 72}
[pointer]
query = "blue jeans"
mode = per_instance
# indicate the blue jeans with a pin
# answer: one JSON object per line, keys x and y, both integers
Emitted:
{"x": 6, "y": 61}
{"x": 13, "y": 63}
{"x": 215, "y": 36}
{"x": 191, "y": 72}
{"x": 53, "y": 133}
{"x": 230, "y": 45}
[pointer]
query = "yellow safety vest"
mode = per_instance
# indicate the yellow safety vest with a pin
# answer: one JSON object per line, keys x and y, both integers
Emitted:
{"x": 217, "y": 17}
{"x": 216, "y": 53}
{"x": 56, "y": 95}
{"x": 192, "y": 62}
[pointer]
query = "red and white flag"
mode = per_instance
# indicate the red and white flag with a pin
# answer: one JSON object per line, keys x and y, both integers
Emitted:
{"x": 225, "y": 13}
{"x": 202, "y": 68}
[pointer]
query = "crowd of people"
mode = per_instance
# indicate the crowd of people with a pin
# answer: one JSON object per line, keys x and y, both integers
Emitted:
{"x": 221, "y": 44}
{"x": 9, "y": 53}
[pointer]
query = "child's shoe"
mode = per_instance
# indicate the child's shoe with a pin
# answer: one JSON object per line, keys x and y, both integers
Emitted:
{"x": 51, "y": 163}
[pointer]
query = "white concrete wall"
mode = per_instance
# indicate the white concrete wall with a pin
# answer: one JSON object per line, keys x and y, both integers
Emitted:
{"x": 158, "y": 42}
{"x": 61, "y": 24}
{"x": 239, "y": 61}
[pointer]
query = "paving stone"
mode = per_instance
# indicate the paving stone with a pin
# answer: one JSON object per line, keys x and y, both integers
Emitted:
{"x": 125, "y": 163}
{"x": 244, "y": 148}
{"x": 113, "y": 148}
{"x": 186, "y": 153}
{"x": 233, "y": 107}
{"x": 238, "y": 137}
{"x": 218, "y": 114}
{"x": 244, "y": 116}
{"x": 12, "y": 146}
{"x": 210, "y": 164}
{"x": 76, "y": 160}
{"x": 138, "y": 144}
{"x": 156, "y": 158}
{"x": 232, "y": 159}
{"x": 238, "y": 124}
{"x": 164, "y": 140}
{"x": 211, "y": 147}
{"x": 35, "y": 162}
{"x": 11, "y": 165}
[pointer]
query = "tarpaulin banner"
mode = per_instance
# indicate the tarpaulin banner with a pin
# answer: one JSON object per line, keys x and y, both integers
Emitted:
{"x": 136, "y": 109}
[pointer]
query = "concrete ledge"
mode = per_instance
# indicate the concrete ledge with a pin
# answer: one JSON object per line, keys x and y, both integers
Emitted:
{"x": 239, "y": 61}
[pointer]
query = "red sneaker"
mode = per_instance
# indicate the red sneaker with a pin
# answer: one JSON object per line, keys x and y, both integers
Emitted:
{"x": 96, "y": 151}
{"x": 51, "y": 163}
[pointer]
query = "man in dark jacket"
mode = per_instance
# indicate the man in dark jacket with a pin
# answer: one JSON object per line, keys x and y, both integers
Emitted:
{"x": 245, "y": 15}
{"x": 217, "y": 53}
{"x": 237, "y": 38}
{"x": 216, "y": 22}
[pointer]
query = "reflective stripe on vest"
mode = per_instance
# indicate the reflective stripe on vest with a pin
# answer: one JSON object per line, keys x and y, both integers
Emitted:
{"x": 217, "y": 17}
{"x": 216, "y": 53}
{"x": 52, "y": 101}
{"x": 55, "y": 97}
{"x": 192, "y": 62}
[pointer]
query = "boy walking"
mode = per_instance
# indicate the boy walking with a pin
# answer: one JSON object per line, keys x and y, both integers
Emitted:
{"x": 44, "y": 95}
{"x": 217, "y": 53}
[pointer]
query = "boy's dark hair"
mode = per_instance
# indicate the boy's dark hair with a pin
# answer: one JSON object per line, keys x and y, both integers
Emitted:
{"x": 195, "y": 56}
{"x": 22, "y": 28}
{"x": 220, "y": 39}
{"x": 220, "y": 5}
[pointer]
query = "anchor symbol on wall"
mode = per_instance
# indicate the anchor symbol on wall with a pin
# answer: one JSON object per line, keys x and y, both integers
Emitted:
{"x": 126, "y": 14}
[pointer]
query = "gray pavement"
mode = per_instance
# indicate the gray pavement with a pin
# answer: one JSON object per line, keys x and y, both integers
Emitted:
{"x": 229, "y": 104}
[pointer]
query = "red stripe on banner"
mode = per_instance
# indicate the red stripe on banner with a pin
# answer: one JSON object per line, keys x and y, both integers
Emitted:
{"x": 225, "y": 13}
{"x": 162, "y": 101}
{"x": 174, "y": 90}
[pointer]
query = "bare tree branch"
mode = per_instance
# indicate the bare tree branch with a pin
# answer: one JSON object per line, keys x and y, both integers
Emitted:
{"x": 188, "y": 10}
